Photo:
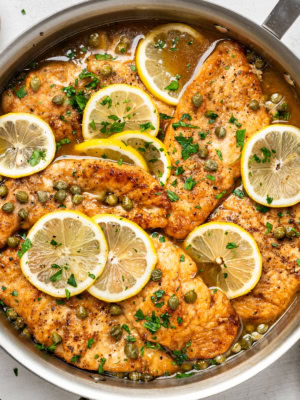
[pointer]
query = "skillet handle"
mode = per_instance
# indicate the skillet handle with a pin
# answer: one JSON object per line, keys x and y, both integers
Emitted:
{"x": 282, "y": 17}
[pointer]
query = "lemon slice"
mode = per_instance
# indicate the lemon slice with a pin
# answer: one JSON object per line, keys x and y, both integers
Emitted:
{"x": 27, "y": 145}
{"x": 66, "y": 252}
{"x": 227, "y": 255}
{"x": 271, "y": 166}
{"x": 160, "y": 59}
{"x": 112, "y": 150}
{"x": 118, "y": 108}
{"x": 153, "y": 151}
{"x": 131, "y": 258}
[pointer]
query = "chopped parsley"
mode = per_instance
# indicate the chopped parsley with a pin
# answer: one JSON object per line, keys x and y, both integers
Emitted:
{"x": 179, "y": 171}
{"x": 234, "y": 121}
{"x": 210, "y": 177}
{"x": 212, "y": 116}
{"x": 219, "y": 153}
{"x": 174, "y": 85}
{"x": 62, "y": 142}
{"x": 267, "y": 154}
{"x": 182, "y": 375}
{"x": 57, "y": 276}
{"x": 187, "y": 146}
{"x": 21, "y": 92}
{"x": 165, "y": 117}
{"x": 25, "y": 246}
{"x": 72, "y": 281}
{"x": 90, "y": 343}
{"x": 231, "y": 245}
{"x": 139, "y": 315}
{"x": 102, "y": 362}
{"x": 146, "y": 126}
{"x": 269, "y": 199}
{"x": 262, "y": 209}
{"x": 240, "y": 138}
{"x": 269, "y": 228}
{"x": 172, "y": 196}
{"x": 36, "y": 157}
{"x": 239, "y": 193}
{"x": 76, "y": 358}
{"x": 189, "y": 183}
{"x": 104, "y": 56}
{"x": 182, "y": 258}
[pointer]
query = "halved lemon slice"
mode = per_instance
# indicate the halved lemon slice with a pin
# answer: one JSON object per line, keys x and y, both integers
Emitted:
{"x": 152, "y": 150}
{"x": 227, "y": 255}
{"x": 118, "y": 108}
{"x": 113, "y": 150}
{"x": 27, "y": 145}
{"x": 131, "y": 258}
{"x": 271, "y": 166}
{"x": 160, "y": 59}
{"x": 65, "y": 251}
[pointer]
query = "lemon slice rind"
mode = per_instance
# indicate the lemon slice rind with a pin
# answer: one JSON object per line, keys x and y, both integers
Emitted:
{"x": 137, "y": 265}
{"x": 27, "y": 133}
{"x": 114, "y": 150}
{"x": 92, "y": 243}
{"x": 130, "y": 104}
{"x": 267, "y": 181}
{"x": 151, "y": 149}
{"x": 240, "y": 267}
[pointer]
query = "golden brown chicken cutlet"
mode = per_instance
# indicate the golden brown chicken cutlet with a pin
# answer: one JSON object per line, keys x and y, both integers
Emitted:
{"x": 205, "y": 141}
{"x": 280, "y": 279}
{"x": 96, "y": 179}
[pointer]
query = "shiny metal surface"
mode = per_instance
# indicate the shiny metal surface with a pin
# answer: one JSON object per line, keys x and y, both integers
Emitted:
{"x": 287, "y": 330}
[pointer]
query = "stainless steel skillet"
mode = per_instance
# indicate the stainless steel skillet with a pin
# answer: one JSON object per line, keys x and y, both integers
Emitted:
{"x": 266, "y": 40}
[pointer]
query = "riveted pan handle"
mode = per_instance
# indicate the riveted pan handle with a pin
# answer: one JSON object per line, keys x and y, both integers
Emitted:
{"x": 282, "y": 17}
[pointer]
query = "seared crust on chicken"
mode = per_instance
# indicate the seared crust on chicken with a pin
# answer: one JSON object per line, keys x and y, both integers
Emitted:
{"x": 54, "y": 76}
{"x": 94, "y": 177}
{"x": 203, "y": 329}
{"x": 280, "y": 279}
{"x": 45, "y": 316}
{"x": 227, "y": 85}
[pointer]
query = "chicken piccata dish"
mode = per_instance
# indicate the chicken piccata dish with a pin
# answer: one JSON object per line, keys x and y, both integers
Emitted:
{"x": 149, "y": 200}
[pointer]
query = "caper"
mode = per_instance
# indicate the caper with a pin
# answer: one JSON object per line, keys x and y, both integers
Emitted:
{"x": 220, "y": 359}
{"x": 56, "y": 338}
{"x": 13, "y": 242}
{"x": 42, "y": 196}
{"x": 101, "y": 196}
{"x": 259, "y": 63}
{"x": 23, "y": 213}
{"x": 190, "y": 297}
{"x": 8, "y": 207}
{"x": 197, "y": 99}
{"x": 115, "y": 309}
{"x": 11, "y": 314}
{"x": 211, "y": 165}
{"x": 246, "y": 342}
{"x": 134, "y": 376}
{"x": 125, "y": 40}
{"x": 119, "y": 375}
{"x": 236, "y": 348}
{"x": 200, "y": 365}
{"x": 147, "y": 377}
{"x": 3, "y": 191}
{"x": 276, "y": 98}
{"x": 94, "y": 40}
{"x": 22, "y": 197}
{"x": 269, "y": 105}
{"x": 256, "y": 336}
{"x": 127, "y": 203}
{"x": 262, "y": 328}
{"x": 26, "y": 333}
{"x": 186, "y": 366}
{"x": 111, "y": 199}
{"x": 81, "y": 312}
{"x": 282, "y": 107}
{"x": 279, "y": 232}
{"x": 220, "y": 132}
{"x": 290, "y": 232}
{"x": 203, "y": 152}
{"x": 156, "y": 275}
{"x": 131, "y": 350}
{"x": 58, "y": 100}
{"x": 74, "y": 189}
{"x": 106, "y": 70}
{"x": 254, "y": 105}
{"x": 19, "y": 324}
{"x": 251, "y": 56}
{"x": 249, "y": 328}
{"x": 121, "y": 48}
{"x": 35, "y": 83}
{"x": 173, "y": 302}
{"x": 60, "y": 196}
{"x": 61, "y": 185}
{"x": 116, "y": 332}
{"x": 77, "y": 199}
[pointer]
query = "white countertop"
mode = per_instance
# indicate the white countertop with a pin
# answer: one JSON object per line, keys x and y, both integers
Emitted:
{"x": 281, "y": 381}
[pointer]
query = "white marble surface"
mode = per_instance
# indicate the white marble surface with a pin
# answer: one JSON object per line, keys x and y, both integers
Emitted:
{"x": 281, "y": 381}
